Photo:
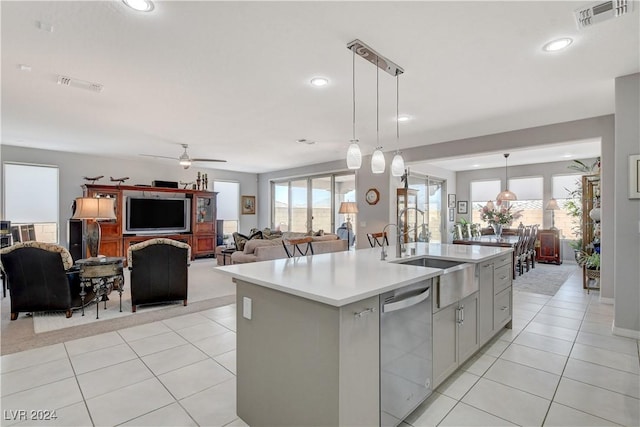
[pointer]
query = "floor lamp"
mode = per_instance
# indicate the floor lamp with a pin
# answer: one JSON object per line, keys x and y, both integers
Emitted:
{"x": 348, "y": 208}
{"x": 94, "y": 209}
{"x": 553, "y": 206}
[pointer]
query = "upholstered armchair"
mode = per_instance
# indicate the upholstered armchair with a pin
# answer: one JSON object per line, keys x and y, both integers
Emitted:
{"x": 158, "y": 271}
{"x": 37, "y": 276}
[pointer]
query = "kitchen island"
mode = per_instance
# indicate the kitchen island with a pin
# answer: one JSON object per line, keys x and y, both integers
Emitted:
{"x": 308, "y": 330}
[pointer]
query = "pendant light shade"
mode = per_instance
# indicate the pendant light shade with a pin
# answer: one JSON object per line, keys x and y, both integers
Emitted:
{"x": 354, "y": 156}
{"x": 397, "y": 165}
{"x": 506, "y": 195}
{"x": 377, "y": 161}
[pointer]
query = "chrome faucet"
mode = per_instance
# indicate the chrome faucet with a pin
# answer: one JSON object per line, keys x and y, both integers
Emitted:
{"x": 383, "y": 254}
{"x": 400, "y": 244}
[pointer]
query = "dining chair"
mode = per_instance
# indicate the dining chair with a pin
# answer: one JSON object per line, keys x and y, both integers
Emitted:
{"x": 378, "y": 239}
{"x": 293, "y": 246}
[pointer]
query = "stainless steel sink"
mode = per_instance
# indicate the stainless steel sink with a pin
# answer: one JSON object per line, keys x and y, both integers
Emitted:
{"x": 457, "y": 280}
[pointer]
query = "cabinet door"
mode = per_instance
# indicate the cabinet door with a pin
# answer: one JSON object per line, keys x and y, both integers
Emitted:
{"x": 468, "y": 341}
{"x": 204, "y": 214}
{"x": 485, "y": 301}
{"x": 445, "y": 343}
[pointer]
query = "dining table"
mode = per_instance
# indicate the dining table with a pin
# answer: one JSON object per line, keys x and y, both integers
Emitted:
{"x": 509, "y": 241}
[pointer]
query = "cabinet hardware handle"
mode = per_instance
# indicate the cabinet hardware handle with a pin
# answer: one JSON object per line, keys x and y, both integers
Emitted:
{"x": 364, "y": 312}
{"x": 487, "y": 265}
{"x": 503, "y": 308}
{"x": 503, "y": 277}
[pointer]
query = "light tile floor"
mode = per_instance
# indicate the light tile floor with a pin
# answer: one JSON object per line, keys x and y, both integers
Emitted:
{"x": 559, "y": 366}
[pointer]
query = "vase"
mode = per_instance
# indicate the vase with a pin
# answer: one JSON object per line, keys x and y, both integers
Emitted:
{"x": 497, "y": 230}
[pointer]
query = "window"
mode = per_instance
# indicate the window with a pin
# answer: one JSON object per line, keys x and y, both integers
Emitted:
{"x": 31, "y": 197}
{"x": 228, "y": 202}
{"x": 529, "y": 192}
{"x": 311, "y": 203}
{"x": 481, "y": 193}
{"x": 567, "y": 218}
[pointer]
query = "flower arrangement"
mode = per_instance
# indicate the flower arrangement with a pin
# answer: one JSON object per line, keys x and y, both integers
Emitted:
{"x": 500, "y": 215}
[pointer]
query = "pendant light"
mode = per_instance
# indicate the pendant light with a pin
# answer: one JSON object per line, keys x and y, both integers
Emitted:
{"x": 377, "y": 159}
{"x": 354, "y": 155}
{"x": 397, "y": 165}
{"x": 506, "y": 195}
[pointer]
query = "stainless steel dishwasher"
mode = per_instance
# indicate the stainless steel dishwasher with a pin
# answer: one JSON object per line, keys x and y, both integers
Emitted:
{"x": 405, "y": 351}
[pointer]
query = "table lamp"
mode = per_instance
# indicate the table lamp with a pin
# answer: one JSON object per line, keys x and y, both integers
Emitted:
{"x": 348, "y": 208}
{"x": 94, "y": 209}
{"x": 553, "y": 206}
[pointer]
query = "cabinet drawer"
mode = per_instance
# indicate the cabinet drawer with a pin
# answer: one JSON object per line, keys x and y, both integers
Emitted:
{"x": 502, "y": 307}
{"x": 501, "y": 278}
{"x": 502, "y": 260}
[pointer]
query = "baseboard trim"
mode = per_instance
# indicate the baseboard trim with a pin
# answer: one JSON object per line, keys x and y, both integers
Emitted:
{"x": 622, "y": 332}
{"x": 604, "y": 300}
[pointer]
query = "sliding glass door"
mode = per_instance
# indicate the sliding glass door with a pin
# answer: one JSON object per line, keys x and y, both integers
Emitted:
{"x": 430, "y": 226}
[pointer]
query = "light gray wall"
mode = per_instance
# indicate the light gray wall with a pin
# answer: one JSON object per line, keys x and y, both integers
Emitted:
{"x": 73, "y": 167}
{"x": 626, "y": 212}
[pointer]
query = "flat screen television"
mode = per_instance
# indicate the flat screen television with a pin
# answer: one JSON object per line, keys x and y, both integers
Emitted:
{"x": 146, "y": 215}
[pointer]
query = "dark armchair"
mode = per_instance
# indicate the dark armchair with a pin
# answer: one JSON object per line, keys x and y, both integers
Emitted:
{"x": 37, "y": 276}
{"x": 158, "y": 271}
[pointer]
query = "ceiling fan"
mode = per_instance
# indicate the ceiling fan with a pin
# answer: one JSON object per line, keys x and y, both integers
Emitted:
{"x": 184, "y": 160}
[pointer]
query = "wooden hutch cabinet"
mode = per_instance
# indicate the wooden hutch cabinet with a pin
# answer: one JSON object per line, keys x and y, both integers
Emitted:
{"x": 549, "y": 247}
{"x": 201, "y": 237}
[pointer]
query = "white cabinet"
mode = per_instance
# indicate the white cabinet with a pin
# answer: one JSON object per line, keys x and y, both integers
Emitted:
{"x": 495, "y": 296}
{"x": 455, "y": 336}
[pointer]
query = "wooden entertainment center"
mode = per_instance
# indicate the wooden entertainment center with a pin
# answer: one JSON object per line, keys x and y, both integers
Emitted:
{"x": 201, "y": 238}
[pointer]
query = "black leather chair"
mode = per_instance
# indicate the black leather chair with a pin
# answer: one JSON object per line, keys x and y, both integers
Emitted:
{"x": 158, "y": 271}
{"x": 37, "y": 276}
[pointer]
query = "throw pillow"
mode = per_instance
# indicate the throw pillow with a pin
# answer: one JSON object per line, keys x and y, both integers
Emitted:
{"x": 240, "y": 240}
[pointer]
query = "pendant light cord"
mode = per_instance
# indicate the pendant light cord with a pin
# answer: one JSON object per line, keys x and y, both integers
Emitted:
{"x": 353, "y": 86}
{"x": 377, "y": 105}
{"x": 397, "y": 112}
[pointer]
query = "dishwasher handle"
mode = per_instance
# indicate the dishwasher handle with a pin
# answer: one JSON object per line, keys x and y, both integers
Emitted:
{"x": 406, "y": 302}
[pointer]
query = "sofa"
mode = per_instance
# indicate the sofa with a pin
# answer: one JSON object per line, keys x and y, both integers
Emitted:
{"x": 267, "y": 249}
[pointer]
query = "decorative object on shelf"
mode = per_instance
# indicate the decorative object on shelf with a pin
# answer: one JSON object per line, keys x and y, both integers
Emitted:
{"x": 594, "y": 214}
{"x": 506, "y": 195}
{"x": 348, "y": 208}
{"x": 119, "y": 180}
{"x": 634, "y": 176}
{"x": 93, "y": 179}
{"x": 553, "y": 206}
{"x": 248, "y": 205}
{"x": 94, "y": 209}
{"x": 451, "y": 201}
{"x": 198, "y": 179}
{"x": 463, "y": 207}
{"x": 354, "y": 157}
{"x": 372, "y": 196}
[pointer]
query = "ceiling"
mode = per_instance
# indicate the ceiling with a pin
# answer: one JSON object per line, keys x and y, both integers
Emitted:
{"x": 231, "y": 79}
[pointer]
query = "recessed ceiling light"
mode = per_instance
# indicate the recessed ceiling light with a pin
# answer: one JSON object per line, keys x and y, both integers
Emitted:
{"x": 139, "y": 5}
{"x": 24, "y": 67}
{"x": 319, "y": 81}
{"x": 556, "y": 45}
{"x": 404, "y": 118}
{"x": 566, "y": 156}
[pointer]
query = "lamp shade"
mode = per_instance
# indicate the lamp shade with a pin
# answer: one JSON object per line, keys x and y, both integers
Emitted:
{"x": 506, "y": 196}
{"x": 377, "y": 161}
{"x": 552, "y": 205}
{"x": 354, "y": 155}
{"x": 95, "y": 208}
{"x": 348, "y": 208}
{"x": 397, "y": 165}
{"x": 490, "y": 205}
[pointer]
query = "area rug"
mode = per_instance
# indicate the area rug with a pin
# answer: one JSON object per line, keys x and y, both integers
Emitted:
{"x": 204, "y": 283}
{"x": 545, "y": 278}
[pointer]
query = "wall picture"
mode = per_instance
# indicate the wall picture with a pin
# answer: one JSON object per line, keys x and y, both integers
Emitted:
{"x": 248, "y": 205}
{"x": 463, "y": 208}
{"x": 451, "y": 199}
{"x": 451, "y": 215}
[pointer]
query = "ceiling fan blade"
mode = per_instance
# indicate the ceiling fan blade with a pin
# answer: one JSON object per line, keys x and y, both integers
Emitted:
{"x": 158, "y": 157}
{"x": 208, "y": 160}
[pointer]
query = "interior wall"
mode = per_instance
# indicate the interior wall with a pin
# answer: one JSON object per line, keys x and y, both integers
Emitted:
{"x": 626, "y": 213}
{"x": 73, "y": 167}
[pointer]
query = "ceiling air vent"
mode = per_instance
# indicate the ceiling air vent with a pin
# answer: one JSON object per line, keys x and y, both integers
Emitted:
{"x": 602, "y": 11}
{"x": 82, "y": 84}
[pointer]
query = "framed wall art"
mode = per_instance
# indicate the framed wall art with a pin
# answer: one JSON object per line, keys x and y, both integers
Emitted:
{"x": 463, "y": 208}
{"x": 451, "y": 199}
{"x": 248, "y": 205}
{"x": 451, "y": 215}
{"x": 634, "y": 176}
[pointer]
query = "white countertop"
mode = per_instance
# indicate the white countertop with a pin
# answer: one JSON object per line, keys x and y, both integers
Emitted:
{"x": 340, "y": 278}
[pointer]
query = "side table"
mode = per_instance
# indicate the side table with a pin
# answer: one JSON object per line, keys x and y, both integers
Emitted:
{"x": 103, "y": 274}
{"x": 226, "y": 256}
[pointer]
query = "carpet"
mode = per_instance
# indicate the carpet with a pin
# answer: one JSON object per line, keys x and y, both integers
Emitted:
{"x": 545, "y": 278}
{"x": 204, "y": 284}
